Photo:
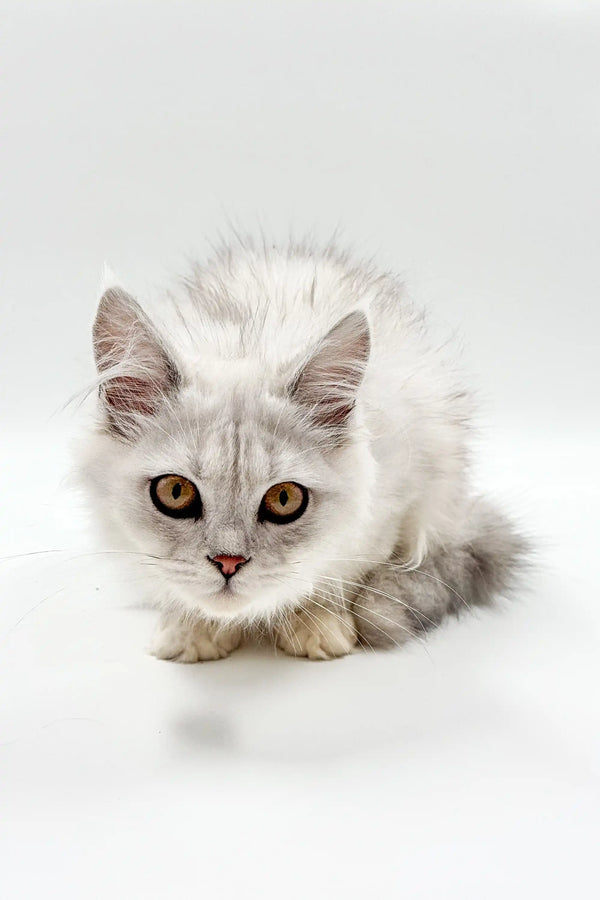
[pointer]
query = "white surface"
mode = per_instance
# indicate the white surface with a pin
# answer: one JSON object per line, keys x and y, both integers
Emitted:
{"x": 459, "y": 141}
{"x": 468, "y": 768}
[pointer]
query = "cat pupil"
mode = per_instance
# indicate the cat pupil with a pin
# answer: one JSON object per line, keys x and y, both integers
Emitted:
{"x": 176, "y": 492}
{"x": 283, "y": 498}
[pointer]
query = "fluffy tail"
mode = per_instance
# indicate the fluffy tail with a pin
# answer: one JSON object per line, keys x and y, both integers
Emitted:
{"x": 398, "y": 603}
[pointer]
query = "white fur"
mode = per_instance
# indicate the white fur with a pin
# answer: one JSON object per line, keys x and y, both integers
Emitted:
{"x": 235, "y": 330}
{"x": 193, "y": 641}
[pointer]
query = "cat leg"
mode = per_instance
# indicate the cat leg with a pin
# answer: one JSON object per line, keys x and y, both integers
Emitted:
{"x": 398, "y": 603}
{"x": 189, "y": 641}
{"x": 317, "y": 632}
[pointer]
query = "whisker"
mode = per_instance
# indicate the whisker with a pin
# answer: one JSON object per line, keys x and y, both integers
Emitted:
{"x": 29, "y": 611}
{"x": 318, "y": 623}
{"x": 410, "y": 633}
{"x": 446, "y": 585}
{"x": 415, "y": 612}
{"x": 406, "y": 567}
{"x": 374, "y": 590}
{"x": 357, "y": 615}
{"x": 87, "y": 553}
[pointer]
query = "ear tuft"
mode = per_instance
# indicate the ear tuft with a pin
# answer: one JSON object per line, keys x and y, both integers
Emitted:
{"x": 136, "y": 370}
{"x": 109, "y": 278}
{"x": 328, "y": 382}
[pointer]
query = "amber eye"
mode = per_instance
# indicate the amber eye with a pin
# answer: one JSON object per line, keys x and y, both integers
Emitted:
{"x": 175, "y": 496}
{"x": 283, "y": 503}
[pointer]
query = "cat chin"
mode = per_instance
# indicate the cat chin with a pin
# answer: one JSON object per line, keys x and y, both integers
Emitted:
{"x": 228, "y": 606}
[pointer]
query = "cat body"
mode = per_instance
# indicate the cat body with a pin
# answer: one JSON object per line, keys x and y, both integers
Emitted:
{"x": 291, "y": 376}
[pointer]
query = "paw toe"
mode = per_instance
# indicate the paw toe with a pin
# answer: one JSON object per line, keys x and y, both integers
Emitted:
{"x": 193, "y": 643}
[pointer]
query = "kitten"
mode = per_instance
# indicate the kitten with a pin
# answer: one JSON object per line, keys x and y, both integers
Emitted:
{"x": 280, "y": 441}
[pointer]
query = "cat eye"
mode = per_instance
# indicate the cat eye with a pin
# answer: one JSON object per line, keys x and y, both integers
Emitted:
{"x": 283, "y": 503}
{"x": 176, "y": 496}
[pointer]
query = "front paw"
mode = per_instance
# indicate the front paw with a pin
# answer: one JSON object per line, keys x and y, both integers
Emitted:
{"x": 190, "y": 642}
{"x": 317, "y": 633}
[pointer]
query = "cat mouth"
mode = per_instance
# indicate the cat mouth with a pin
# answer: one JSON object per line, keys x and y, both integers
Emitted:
{"x": 228, "y": 594}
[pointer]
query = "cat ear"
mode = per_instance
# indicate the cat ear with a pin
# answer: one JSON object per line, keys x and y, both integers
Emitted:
{"x": 136, "y": 371}
{"x": 328, "y": 382}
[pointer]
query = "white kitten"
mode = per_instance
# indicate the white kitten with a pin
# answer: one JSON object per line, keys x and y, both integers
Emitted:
{"x": 279, "y": 439}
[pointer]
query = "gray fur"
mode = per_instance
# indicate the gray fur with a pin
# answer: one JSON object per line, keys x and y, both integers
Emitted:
{"x": 473, "y": 571}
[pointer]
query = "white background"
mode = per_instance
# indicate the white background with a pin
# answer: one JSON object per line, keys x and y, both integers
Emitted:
{"x": 459, "y": 142}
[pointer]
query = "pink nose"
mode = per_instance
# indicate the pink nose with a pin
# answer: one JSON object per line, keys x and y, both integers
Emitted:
{"x": 228, "y": 564}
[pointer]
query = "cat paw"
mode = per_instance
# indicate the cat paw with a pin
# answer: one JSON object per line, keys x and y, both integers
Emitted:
{"x": 191, "y": 642}
{"x": 318, "y": 633}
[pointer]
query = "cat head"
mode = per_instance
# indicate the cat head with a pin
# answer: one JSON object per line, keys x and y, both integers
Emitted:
{"x": 241, "y": 481}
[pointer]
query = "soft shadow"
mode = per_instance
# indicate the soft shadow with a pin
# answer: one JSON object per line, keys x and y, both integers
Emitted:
{"x": 265, "y": 706}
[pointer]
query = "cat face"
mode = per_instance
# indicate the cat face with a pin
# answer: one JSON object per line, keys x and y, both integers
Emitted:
{"x": 239, "y": 483}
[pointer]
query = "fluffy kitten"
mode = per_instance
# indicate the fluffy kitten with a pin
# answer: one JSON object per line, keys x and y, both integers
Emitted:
{"x": 279, "y": 440}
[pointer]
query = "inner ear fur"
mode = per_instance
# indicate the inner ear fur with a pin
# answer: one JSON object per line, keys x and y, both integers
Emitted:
{"x": 327, "y": 383}
{"x": 137, "y": 371}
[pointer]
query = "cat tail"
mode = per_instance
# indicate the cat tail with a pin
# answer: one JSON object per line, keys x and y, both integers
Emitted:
{"x": 485, "y": 562}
